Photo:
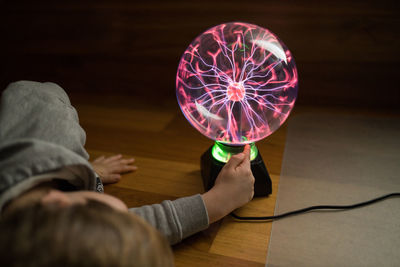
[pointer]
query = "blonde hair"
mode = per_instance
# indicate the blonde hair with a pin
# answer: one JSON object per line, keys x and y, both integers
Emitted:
{"x": 80, "y": 235}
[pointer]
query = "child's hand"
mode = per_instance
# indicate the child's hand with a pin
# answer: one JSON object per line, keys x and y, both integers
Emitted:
{"x": 233, "y": 187}
{"x": 110, "y": 169}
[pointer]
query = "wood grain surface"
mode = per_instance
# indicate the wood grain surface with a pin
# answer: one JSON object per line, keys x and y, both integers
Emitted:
{"x": 167, "y": 152}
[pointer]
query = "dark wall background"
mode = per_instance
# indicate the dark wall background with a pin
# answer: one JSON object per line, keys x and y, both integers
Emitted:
{"x": 347, "y": 52}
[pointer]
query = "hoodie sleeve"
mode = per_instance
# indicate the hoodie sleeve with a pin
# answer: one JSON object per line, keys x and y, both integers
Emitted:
{"x": 176, "y": 219}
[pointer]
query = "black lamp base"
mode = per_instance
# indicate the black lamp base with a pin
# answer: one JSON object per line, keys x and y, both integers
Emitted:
{"x": 210, "y": 168}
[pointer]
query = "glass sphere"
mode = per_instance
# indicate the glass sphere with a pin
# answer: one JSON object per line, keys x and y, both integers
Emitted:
{"x": 236, "y": 83}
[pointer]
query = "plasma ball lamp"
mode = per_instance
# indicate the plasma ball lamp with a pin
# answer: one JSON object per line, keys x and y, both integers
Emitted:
{"x": 236, "y": 84}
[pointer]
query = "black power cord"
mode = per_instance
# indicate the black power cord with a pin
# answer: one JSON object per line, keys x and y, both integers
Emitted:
{"x": 321, "y": 207}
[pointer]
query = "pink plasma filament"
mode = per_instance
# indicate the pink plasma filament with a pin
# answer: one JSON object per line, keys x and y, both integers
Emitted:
{"x": 236, "y": 83}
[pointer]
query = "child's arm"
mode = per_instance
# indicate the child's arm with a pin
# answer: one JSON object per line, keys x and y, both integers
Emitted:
{"x": 176, "y": 219}
{"x": 183, "y": 217}
{"x": 233, "y": 187}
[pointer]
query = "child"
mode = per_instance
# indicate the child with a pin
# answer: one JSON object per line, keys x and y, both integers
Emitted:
{"x": 51, "y": 210}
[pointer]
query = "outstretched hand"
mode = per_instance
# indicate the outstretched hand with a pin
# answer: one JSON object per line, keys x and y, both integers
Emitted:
{"x": 110, "y": 168}
{"x": 233, "y": 187}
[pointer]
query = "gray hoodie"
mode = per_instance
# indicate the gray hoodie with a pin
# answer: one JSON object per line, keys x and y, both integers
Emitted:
{"x": 41, "y": 139}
